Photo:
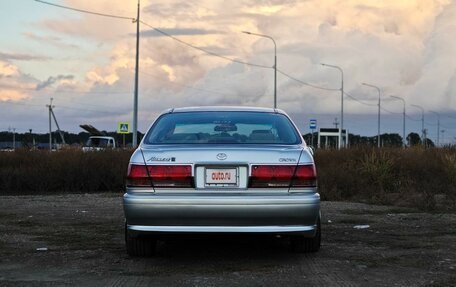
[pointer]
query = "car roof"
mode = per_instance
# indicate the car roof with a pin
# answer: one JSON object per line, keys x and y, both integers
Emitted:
{"x": 223, "y": 109}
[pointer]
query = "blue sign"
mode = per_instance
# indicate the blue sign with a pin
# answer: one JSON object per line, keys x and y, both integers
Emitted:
{"x": 313, "y": 124}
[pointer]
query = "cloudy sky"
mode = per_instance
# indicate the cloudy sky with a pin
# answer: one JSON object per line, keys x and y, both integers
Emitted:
{"x": 86, "y": 62}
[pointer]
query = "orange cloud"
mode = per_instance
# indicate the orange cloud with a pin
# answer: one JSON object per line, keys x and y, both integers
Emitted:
{"x": 8, "y": 70}
{"x": 11, "y": 95}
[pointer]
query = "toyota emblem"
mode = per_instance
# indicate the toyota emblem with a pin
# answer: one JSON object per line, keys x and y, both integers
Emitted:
{"x": 221, "y": 156}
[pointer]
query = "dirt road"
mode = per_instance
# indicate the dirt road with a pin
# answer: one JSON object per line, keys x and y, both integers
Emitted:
{"x": 70, "y": 240}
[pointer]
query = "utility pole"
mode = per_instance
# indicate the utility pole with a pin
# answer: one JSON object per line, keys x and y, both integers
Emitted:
{"x": 58, "y": 128}
{"x": 336, "y": 123}
{"x": 51, "y": 114}
{"x": 135, "y": 101}
{"x": 50, "y": 106}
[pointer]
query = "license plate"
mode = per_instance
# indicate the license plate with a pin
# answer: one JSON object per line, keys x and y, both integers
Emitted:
{"x": 221, "y": 176}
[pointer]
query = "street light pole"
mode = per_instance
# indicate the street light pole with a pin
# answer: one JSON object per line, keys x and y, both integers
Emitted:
{"x": 275, "y": 62}
{"x": 341, "y": 101}
{"x": 403, "y": 120}
{"x": 422, "y": 123}
{"x": 438, "y": 126}
{"x": 135, "y": 100}
{"x": 378, "y": 130}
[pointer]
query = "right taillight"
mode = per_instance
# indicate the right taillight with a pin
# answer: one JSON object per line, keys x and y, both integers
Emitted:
{"x": 170, "y": 176}
{"x": 271, "y": 176}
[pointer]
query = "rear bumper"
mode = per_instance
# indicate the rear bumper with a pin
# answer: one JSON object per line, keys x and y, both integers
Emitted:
{"x": 222, "y": 213}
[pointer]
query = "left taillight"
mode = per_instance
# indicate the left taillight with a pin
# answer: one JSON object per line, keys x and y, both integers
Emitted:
{"x": 177, "y": 176}
{"x": 138, "y": 176}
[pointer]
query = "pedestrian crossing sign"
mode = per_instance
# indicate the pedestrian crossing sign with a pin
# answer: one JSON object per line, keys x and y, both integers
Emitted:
{"x": 123, "y": 128}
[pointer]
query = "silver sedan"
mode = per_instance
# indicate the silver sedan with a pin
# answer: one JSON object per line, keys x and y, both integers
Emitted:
{"x": 222, "y": 170}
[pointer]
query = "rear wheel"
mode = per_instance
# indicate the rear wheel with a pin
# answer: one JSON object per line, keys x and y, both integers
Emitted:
{"x": 301, "y": 244}
{"x": 139, "y": 246}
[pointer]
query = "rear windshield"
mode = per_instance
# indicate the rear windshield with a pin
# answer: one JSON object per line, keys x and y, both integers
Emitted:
{"x": 223, "y": 128}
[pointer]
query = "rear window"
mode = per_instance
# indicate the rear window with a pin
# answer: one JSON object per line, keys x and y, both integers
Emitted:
{"x": 223, "y": 128}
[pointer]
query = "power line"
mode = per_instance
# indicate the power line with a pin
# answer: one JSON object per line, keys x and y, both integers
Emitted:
{"x": 305, "y": 83}
{"x": 64, "y": 107}
{"x": 194, "y": 47}
{"x": 20, "y": 104}
{"x": 187, "y": 44}
{"x": 410, "y": 118}
{"x": 388, "y": 111}
{"x": 447, "y": 127}
{"x": 157, "y": 30}
{"x": 233, "y": 60}
{"x": 204, "y": 50}
{"x": 87, "y": 11}
{"x": 64, "y": 91}
{"x": 359, "y": 101}
{"x": 190, "y": 87}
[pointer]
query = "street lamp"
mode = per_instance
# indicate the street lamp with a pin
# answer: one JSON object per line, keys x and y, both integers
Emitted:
{"x": 341, "y": 100}
{"x": 378, "y": 130}
{"x": 403, "y": 120}
{"x": 275, "y": 62}
{"x": 422, "y": 123}
{"x": 438, "y": 126}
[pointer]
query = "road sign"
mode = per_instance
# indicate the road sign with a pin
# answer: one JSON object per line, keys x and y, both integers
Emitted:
{"x": 313, "y": 124}
{"x": 123, "y": 128}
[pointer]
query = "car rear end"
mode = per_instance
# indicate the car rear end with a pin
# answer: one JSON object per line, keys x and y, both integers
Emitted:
{"x": 206, "y": 171}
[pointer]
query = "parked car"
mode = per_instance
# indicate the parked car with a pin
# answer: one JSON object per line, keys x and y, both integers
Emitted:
{"x": 99, "y": 143}
{"x": 222, "y": 170}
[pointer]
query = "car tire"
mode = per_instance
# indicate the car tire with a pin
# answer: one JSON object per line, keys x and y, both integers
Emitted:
{"x": 301, "y": 244}
{"x": 139, "y": 246}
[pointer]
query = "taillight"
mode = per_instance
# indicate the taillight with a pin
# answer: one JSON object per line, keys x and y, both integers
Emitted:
{"x": 138, "y": 176}
{"x": 177, "y": 176}
{"x": 305, "y": 176}
{"x": 283, "y": 176}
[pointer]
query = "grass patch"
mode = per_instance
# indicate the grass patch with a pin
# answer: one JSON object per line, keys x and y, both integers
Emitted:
{"x": 415, "y": 177}
{"x": 41, "y": 172}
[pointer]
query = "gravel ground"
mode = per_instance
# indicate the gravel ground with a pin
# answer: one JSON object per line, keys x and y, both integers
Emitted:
{"x": 77, "y": 240}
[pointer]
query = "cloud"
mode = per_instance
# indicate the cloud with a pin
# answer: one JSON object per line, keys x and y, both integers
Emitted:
{"x": 7, "y": 69}
{"x": 435, "y": 89}
{"x": 14, "y": 84}
{"x": 52, "y": 80}
{"x": 50, "y": 40}
{"x": 22, "y": 57}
